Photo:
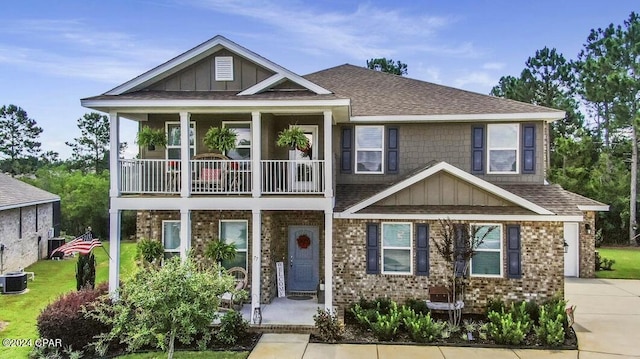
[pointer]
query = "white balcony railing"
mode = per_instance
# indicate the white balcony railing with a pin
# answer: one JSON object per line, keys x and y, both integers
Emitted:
{"x": 222, "y": 176}
{"x": 292, "y": 176}
{"x": 150, "y": 176}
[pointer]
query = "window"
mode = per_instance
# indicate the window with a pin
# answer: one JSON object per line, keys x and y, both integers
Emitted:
{"x": 503, "y": 141}
{"x": 243, "y": 140}
{"x": 173, "y": 140}
{"x": 171, "y": 238}
{"x": 487, "y": 260}
{"x": 397, "y": 248}
{"x": 235, "y": 231}
{"x": 369, "y": 149}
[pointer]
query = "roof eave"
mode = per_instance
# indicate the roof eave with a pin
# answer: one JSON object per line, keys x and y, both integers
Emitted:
{"x": 27, "y": 204}
{"x": 595, "y": 208}
{"x": 492, "y": 117}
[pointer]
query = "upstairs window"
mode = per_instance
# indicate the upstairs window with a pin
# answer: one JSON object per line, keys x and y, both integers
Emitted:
{"x": 503, "y": 148}
{"x": 243, "y": 140}
{"x": 369, "y": 149}
{"x": 173, "y": 140}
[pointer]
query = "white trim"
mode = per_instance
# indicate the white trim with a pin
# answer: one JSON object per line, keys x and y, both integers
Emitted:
{"x": 201, "y": 51}
{"x": 460, "y": 217}
{"x": 284, "y": 203}
{"x": 517, "y": 149}
{"x": 256, "y": 263}
{"x": 28, "y": 204}
{"x": 597, "y": 208}
{"x": 114, "y": 251}
{"x": 262, "y": 85}
{"x": 146, "y": 105}
{"x": 369, "y": 149}
{"x": 245, "y": 250}
{"x": 166, "y": 131}
{"x": 456, "y": 172}
{"x": 114, "y": 153}
{"x": 493, "y": 117}
{"x": 328, "y": 153}
{"x": 223, "y": 63}
{"x": 328, "y": 260}
{"x": 500, "y": 251}
{"x": 382, "y": 247}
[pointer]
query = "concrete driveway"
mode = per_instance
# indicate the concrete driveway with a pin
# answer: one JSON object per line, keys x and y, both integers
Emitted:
{"x": 607, "y": 316}
{"x": 607, "y": 324}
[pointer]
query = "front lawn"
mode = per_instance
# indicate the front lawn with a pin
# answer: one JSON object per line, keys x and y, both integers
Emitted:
{"x": 52, "y": 279}
{"x": 626, "y": 266}
{"x": 187, "y": 355}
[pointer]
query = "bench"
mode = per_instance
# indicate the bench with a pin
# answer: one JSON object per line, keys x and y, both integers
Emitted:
{"x": 440, "y": 299}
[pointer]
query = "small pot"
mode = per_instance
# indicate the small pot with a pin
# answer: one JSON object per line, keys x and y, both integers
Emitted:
{"x": 151, "y": 147}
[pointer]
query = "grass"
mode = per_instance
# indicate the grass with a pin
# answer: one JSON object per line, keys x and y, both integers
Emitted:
{"x": 185, "y": 355}
{"x": 52, "y": 279}
{"x": 626, "y": 266}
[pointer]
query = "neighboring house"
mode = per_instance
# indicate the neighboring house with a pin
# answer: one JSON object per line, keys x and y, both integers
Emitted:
{"x": 28, "y": 217}
{"x": 390, "y": 156}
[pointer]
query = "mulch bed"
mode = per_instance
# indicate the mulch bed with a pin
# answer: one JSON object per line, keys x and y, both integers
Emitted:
{"x": 354, "y": 334}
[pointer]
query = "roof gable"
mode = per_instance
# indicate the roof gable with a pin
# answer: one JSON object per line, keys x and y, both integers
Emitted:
{"x": 15, "y": 193}
{"x": 495, "y": 193}
{"x": 201, "y": 52}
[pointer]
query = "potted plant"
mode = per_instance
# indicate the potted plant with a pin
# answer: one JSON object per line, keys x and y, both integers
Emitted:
{"x": 219, "y": 251}
{"x": 293, "y": 137}
{"x": 151, "y": 138}
{"x": 222, "y": 139}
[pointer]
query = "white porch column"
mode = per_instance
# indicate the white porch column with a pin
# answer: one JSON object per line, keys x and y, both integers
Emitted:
{"x": 185, "y": 233}
{"x": 114, "y": 251}
{"x": 328, "y": 259}
{"x": 328, "y": 154}
{"x": 256, "y": 262}
{"x": 256, "y": 149}
{"x": 114, "y": 150}
{"x": 185, "y": 155}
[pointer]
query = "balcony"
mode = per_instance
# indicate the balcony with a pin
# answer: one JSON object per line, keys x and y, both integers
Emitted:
{"x": 222, "y": 177}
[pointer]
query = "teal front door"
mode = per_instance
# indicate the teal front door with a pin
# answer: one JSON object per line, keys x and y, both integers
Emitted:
{"x": 304, "y": 250}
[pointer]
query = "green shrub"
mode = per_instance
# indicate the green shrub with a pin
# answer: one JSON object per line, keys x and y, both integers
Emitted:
{"x": 64, "y": 318}
{"x": 495, "y": 305}
{"x": 520, "y": 314}
{"x": 386, "y": 326}
{"x": 150, "y": 251}
{"x": 232, "y": 328}
{"x": 364, "y": 317}
{"x": 551, "y": 329}
{"x": 86, "y": 272}
{"x": 557, "y": 307}
{"x": 328, "y": 327}
{"x": 419, "y": 306}
{"x": 503, "y": 329}
{"x": 422, "y": 328}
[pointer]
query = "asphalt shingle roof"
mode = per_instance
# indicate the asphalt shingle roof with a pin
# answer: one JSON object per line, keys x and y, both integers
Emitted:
{"x": 15, "y": 193}
{"x": 375, "y": 93}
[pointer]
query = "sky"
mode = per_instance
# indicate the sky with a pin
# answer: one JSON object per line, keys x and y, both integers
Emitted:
{"x": 53, "y": 53}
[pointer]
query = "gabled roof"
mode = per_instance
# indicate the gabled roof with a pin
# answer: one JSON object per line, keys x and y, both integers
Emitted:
{"x": 207, "y": 48}
{"x": 379, "y": 96}
{"x": 432, "y": 169}
{"x": 15, "y": 193}
{"x": 555, "y": 198}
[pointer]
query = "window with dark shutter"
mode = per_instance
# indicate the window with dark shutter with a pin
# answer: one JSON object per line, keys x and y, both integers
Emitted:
{"x": 477, "y": 149}
{"x": 346, "y": 150}
{"x": 392, "y": 150}
{"x": 422, "y": 249}
{"x": 373, "y": 248}
{"x": 529, "y": 148}
{"x": 514, "y": 269}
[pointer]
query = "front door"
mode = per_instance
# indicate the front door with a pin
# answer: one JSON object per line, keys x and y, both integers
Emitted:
{"x": 571, "y": 249}
{"x": 303, "y": 172}
{"x": 304, "y": 266}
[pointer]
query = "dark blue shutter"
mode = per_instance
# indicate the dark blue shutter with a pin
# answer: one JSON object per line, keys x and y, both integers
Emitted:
{"x": 346, "y": 150}
{"x": 514, "y": 268}
{"x": 373, "y": 248}
{"x": 392, "y": 150}
{"x": 460, "y": 239}
{"x": 529, "y": 148}
{"x": 477, "y": 149}
{"x": 422, "y": 249}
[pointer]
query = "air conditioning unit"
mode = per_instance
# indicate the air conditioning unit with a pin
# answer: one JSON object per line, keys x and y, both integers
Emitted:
{"x": 13, "y": 282}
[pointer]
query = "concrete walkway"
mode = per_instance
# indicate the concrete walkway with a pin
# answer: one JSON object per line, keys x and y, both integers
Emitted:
{"x": 607, "y": 324}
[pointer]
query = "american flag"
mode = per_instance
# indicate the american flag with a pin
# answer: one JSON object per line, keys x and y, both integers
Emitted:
{"x": 83, "y": 244}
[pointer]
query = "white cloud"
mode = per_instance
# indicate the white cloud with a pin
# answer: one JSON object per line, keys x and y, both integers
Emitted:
{"x": 365, "y": 32}
{"x": 494, "y": 66}
{"x": 479, "y": 81}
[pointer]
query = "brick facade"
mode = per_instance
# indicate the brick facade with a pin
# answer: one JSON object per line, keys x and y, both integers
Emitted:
{"x": 542, "y": 267}
{"x": 587, "y": 253}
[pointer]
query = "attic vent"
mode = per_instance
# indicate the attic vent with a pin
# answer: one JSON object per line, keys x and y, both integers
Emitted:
{"x": 224, "y": 68}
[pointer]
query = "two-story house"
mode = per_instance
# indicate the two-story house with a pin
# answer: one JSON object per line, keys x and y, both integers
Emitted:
{"x": 359, "y": 210}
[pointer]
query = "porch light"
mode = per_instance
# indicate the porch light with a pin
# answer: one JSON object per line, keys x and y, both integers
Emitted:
{"x": 587, "y": 228}
{"x": 566, "y": 247}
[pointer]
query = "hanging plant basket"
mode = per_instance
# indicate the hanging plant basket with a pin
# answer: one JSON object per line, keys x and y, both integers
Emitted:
{"x": 303, "y": 241}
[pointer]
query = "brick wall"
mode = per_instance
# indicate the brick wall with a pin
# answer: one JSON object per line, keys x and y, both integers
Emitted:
{"x": 22, "y": 251}
{"x": 588, "y": 246}
{"x": 542, "y": 266}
